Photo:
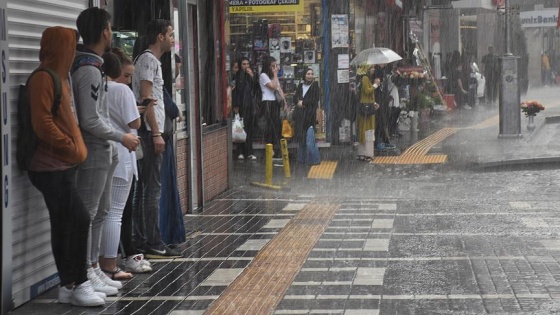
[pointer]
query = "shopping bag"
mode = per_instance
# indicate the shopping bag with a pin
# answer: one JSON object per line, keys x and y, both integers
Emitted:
{"x": 287, "y": 130}
{"x": 313, "y": 157}
{"x": 238, "y": 133}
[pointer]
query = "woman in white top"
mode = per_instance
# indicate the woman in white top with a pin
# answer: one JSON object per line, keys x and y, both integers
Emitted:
{"x": 270, "y": 107}
{"x": 124, "y": 117}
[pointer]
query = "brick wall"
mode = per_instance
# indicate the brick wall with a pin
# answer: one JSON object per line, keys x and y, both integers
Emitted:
{"x": 215, "y": 162}
{"x": 182, "y": 152}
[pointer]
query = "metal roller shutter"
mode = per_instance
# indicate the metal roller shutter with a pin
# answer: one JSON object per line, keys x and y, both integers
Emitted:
{"x": 33, "y": 265}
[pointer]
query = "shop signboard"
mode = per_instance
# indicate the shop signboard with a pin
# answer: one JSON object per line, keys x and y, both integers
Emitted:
{"x": 265, "y": 6}
{"x": 541, "y": 18}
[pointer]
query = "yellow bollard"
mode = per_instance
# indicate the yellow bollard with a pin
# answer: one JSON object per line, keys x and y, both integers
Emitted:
{"x": 268, "y": 164}
{"x": 285, "y": 158}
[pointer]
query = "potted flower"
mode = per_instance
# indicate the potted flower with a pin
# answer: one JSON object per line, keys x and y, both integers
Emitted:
{"x": 531, "y": 109}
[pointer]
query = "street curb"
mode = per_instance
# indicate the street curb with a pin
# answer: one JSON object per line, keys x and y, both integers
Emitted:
{"x": 526, "y": 161}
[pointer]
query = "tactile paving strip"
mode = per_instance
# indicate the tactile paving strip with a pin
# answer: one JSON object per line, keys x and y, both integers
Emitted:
{"x": 416, "y": 154}
{"x": 261, "y": 286}
{"x": 325, "y": 170}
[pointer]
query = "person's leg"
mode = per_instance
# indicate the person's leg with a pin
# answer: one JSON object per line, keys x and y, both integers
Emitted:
{"x": 126, "y": 224}
{"x": 112, "y": 227}
{"x": 69, "y": 223}
{"x": 104, "y": 206}
{"x": 151, "y": 194}
{"x": 91, "y": 183}
{"x": 277, "y": 127}
{"x": 138, "y": 219}
{"x": 249, "y": 122}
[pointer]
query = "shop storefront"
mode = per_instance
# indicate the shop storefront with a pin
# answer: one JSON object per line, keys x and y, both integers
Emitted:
{"x": 320, "y": 34}
{"x": 289, "y": 31}
{"x": 198, "y": 85}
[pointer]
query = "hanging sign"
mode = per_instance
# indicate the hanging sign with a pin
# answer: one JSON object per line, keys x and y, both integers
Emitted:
{"x": 260, "y": 6}
{"x": 5, "y": 121}
{"x": 542, "y": 18}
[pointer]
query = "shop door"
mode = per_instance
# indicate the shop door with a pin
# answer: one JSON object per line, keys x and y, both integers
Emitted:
{"x": 189, "y": 37}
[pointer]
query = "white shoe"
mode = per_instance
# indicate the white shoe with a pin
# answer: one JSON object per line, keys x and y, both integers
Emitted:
{"x": 137, "y": 264}
{"x": 99, "y": 285}
{"x": 65, "y": 295}
{"x": 106, "y": 279}
{"x": 84, "y": 295}
{"x": 240, "y": 157}
{"x": 252, "y": 157}
{"x": 467, "y": 107}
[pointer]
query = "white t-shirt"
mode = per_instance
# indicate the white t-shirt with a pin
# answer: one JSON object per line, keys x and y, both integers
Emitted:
{"x": 268, "y": 93}
{"x": 148, "y": 68}
{"x": 122, "y": 111}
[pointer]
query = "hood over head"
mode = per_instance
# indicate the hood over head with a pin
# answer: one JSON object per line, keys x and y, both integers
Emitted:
{"x": 58, "y": 46}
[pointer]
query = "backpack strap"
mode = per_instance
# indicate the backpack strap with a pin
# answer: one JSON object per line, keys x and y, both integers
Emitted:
{"x": 57, "y": 88}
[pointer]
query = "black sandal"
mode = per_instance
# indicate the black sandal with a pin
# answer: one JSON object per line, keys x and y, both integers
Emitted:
{"x": 113, "y": 274}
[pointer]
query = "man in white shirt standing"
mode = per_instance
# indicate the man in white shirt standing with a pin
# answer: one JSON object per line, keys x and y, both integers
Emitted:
{"x": 148, "y": 84}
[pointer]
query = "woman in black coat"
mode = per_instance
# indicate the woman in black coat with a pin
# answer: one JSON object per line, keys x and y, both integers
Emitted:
{"x": 306, "y": 100}
{"x": 243, "y": 102}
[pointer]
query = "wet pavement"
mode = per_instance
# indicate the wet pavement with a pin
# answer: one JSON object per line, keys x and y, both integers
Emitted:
{"x": 476, "y": 235}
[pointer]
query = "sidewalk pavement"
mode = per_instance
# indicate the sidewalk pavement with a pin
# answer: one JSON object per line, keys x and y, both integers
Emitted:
{"x": 483, "y": 148}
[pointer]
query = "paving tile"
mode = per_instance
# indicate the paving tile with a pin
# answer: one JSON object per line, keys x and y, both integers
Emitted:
{"x": 253, "y": 245}
{"x": 276, "y": 224}
{"x": 382, "y": 224}
{"x": 294, "y": 206}
{"x": 376, "y": 245}
{"x": 369, "y": 276}
{"x": 222, "y": 277}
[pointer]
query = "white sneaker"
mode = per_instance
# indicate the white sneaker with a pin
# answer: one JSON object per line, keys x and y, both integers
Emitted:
{"x": 106, "y": 279}
{"x": 99, "y": 285}
{"x": 240, "y": 157}
{"x": 137, "y": 264}
{"x": 252, "y": 157}
{"x": 84, "y": 295}
{"x": 467, "y": 107}
{"x": 65, "y": 295}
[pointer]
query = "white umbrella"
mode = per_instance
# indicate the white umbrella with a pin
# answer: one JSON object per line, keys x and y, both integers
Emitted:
{"x": 375, "y": 56}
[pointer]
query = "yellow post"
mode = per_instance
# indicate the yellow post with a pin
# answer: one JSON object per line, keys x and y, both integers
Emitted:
{"x": 285, "y": 158}
{"x": 268, "y": 164}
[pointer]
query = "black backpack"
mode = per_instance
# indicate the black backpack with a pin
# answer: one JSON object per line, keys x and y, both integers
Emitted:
{"x": 27, "y": 141}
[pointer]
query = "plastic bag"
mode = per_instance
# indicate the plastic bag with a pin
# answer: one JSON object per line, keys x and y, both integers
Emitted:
{"x": 287, "y": 130}
{"x": 238, "y": 133}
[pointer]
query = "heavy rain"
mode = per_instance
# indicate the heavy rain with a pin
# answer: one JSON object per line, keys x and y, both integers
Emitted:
{"x": 325, "y": 157}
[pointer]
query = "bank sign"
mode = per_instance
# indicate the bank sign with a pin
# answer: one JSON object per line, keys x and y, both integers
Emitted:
{"x": 260, "y": 6}
{"x": 542, "y": 18}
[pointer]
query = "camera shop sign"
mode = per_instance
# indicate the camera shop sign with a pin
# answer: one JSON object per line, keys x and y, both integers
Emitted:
{"x": 260, "y": 6}
{"x": 542, "y": 18}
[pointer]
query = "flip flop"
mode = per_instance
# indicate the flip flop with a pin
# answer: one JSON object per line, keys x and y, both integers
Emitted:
{"x": 118, "y": 274}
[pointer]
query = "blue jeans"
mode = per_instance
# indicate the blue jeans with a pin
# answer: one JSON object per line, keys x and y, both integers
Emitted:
{"x": 145, "y": 213}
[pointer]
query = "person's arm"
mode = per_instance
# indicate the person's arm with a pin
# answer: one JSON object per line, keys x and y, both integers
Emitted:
{"x": 87, "y": 84}
{"x": 298, "y": 99}
{"x": 41, "y": 101}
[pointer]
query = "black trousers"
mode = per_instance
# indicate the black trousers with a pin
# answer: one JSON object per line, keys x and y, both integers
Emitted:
{"x": 70, "y": 222}
{"x": 271, "y": 110}
{"x": 126, "y": 225}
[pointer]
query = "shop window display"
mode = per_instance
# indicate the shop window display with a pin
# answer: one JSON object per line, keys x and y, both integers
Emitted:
{"x": 286, "y": 36}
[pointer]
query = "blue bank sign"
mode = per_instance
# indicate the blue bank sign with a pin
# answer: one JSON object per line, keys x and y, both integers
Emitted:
{"x": 542, "y": 18}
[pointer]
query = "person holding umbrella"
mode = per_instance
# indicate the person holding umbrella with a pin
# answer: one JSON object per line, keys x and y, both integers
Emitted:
{"x": 366, "y": 117}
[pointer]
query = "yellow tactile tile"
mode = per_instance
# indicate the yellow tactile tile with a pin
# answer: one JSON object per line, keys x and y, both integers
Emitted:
{"x": 325, "y": 170}
{"x": 416, "y": 154}
{"x": 261, "y": 286}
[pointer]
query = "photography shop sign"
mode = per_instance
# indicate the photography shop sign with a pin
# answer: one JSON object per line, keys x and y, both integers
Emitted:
{"x": 542, "y": 18}
{"x": 260, "y": 6}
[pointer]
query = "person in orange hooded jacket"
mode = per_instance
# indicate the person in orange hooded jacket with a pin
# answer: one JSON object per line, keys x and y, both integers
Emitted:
{"x": 53, "y": 166}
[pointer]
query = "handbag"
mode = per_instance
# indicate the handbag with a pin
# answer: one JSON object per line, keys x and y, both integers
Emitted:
{"x": 287, "y": 130}
{"x": 238, "y": 133}
{"x": 366, "y": 109}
